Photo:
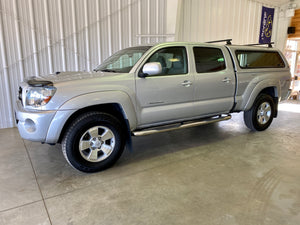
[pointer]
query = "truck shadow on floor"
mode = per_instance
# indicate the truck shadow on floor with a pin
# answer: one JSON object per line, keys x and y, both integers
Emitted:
{"x": 156, "y": 145}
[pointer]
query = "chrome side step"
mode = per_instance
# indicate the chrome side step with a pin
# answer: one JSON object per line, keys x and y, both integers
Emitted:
{"x": 182, "y": 125}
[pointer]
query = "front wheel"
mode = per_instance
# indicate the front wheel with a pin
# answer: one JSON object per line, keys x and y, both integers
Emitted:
{"x": 261, "y": 114}
{"x": 93, "y": 142}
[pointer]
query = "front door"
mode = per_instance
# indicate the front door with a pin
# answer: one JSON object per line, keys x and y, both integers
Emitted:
{"x": 168, "y": 96}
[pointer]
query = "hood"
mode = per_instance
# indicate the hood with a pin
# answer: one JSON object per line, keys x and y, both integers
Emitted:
{"x": 71, "y": 76}
{"x": 81, "y": 82}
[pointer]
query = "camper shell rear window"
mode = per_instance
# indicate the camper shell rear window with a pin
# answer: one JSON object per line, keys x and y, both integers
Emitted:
{"x": 249, "y": 59}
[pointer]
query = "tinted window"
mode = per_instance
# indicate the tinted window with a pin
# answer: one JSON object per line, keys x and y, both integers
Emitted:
{"x": 208, "y": 59}
{"x": 173, "y": 60}
{"x": 259, "y": 59}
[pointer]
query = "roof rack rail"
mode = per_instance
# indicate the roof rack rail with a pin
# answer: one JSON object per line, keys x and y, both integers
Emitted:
{"x": 269, "y": 44}
{"x": 228, "y": 41}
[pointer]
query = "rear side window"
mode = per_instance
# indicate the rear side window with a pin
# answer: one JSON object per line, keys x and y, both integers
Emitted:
{"x": 208, "y": 59}
{"x": 259, "y": 59}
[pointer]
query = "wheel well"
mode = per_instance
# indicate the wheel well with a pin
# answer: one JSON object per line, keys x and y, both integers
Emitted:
{"x": 272, "y": 91}
{"x": 112, "y": 108}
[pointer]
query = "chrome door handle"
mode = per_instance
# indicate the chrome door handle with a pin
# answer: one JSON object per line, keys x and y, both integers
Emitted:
{"x": 226, "y": 80}
{"x": 186, "y": 83}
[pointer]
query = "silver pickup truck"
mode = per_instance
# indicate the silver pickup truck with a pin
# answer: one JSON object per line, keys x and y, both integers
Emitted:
{"x": 149, "y": 89}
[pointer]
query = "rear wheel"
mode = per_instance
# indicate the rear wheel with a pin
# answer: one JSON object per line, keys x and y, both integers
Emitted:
{"x": 261, "y": 114}
{"x": 93, "y": 142}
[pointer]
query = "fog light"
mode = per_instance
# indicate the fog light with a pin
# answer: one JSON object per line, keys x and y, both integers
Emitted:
{"x": 30, "y": 125}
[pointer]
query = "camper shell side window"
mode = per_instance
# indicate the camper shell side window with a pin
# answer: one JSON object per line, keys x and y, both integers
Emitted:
{"x": 250, "y": 59}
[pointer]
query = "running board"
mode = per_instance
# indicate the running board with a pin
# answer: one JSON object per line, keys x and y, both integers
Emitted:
{"x": 182, "y": 125}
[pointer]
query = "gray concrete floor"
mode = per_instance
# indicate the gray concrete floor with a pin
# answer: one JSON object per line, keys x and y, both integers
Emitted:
{"x": 215, "y": 174}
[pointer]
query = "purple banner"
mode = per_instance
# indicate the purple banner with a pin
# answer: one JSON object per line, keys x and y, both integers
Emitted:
{"x": 266, "y": 25}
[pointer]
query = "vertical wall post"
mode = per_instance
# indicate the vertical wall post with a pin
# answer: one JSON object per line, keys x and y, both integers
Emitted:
{"x": 157, "y": 20}
{"x": 99, "y": 38}
{"x": 74, "y": 27}
{"x": 120, "y": 24}
{"x": 9, "y": 120}
{"x": 18, "y": 36}
{"x": 62, "y": 40}
{"x": 109, "y": 27}
{"x": 129, "y": 24}
{"x": 148, "y": 19}
{"x": 34, "y": 41}
{"x": 87, "y": 36}
{"x": 139, "y": 22}
{"x": 48, "y": 33}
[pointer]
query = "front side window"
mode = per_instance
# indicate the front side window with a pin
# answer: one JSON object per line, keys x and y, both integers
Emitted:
{"x": 209, "y": 59}
{"x": 173, "y": 60}
{"x": 259, "y": 59}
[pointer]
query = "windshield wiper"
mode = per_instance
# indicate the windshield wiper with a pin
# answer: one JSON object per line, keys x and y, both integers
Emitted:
{"x": 108, "y": 70}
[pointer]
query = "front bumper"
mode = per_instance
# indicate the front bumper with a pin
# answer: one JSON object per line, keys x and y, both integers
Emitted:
{"x": 33, "y": 125}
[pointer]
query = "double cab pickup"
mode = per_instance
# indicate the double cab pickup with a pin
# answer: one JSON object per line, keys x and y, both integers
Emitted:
{"x": 149, "y": 89}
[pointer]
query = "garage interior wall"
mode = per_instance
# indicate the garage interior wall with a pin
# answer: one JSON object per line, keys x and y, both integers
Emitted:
{"x": 38, "y": 37}
{"x": 207, "y": 20}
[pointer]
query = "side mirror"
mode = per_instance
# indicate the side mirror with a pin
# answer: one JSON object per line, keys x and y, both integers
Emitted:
{"x": 152, "y": 68}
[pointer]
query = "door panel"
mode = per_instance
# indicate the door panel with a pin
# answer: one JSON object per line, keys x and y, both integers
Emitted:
{"x": 165, "y": 98}
{"x": 170, "y": 95}
{"x": 214, "y": 81}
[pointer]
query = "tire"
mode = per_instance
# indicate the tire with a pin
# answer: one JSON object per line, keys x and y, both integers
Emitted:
{"x": 93, "y": 142}
{"x": 261, "y": 114}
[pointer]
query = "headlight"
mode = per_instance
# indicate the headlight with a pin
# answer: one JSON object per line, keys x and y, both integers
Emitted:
{"x": 39, "y": 96}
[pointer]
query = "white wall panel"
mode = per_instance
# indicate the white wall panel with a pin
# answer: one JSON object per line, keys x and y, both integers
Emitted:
{"x": 205, "y": 20}
{"x": 39, "y": 37}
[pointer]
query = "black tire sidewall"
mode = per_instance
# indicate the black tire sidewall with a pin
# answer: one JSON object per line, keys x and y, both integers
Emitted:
{"x": 79, "y": 127}
{"x": 261, "y": 99}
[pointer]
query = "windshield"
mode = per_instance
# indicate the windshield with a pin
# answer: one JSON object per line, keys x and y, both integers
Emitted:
{"x": 122, "y": 61}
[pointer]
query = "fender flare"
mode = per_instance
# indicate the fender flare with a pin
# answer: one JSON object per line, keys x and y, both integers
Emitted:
{"x": 88, "y": 100}
{"x": 269, "y": 83}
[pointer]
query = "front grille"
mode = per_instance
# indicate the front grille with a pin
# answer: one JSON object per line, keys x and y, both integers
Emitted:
{"x": 20, "y": 93}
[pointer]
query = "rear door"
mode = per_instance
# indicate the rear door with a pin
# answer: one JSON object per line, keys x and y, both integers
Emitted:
{"x": 214, "y": 80}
